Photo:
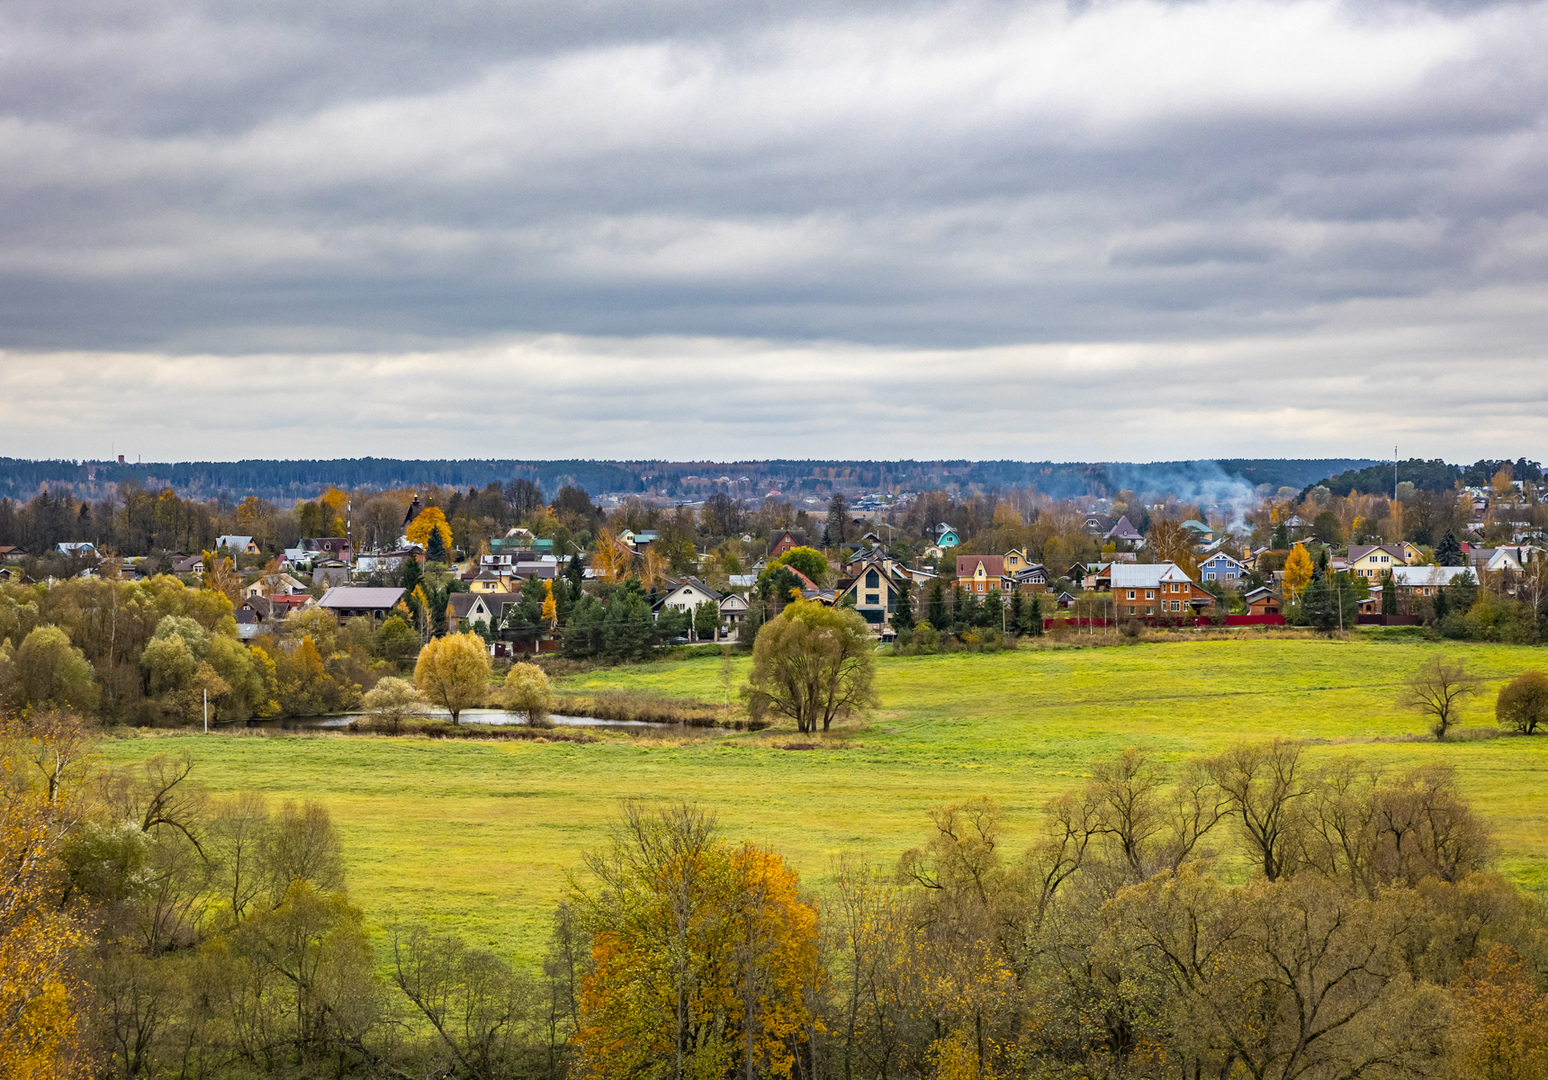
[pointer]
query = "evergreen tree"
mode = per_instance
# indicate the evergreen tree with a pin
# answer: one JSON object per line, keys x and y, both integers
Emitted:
{"x": 1034, "y": 616}
{"x": 1016, "y": 611}
{"x": 937, "y": 605}
{"x": 1448, "y": 552}
{"x": 1281, "y": 537}
{"x": 575, "y": 573}
{"x": 435, "y": 549}
{"x": 903, "y": 616}
{"x": 1388, "y": 594}
{"x": 412, "y": 574}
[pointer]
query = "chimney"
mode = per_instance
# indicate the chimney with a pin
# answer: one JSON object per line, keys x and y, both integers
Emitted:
{"x": 120, "y": 459}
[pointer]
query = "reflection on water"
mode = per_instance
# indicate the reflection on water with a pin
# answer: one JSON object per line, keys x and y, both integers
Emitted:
{"x": 496, "y": 717}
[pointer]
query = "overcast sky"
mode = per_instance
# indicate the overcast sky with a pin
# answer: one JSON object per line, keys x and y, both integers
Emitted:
{"x": 677, "y": 228}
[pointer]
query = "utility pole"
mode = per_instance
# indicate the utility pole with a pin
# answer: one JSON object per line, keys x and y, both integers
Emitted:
{"x": 206, "y": 711}
{"x": 1394, "y": 474}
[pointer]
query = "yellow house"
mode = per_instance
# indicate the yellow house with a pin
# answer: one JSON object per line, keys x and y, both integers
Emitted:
{"x": 1372, "y": 562}
{"x": 488, "y": 582}
{"x": 1016, "y": 561}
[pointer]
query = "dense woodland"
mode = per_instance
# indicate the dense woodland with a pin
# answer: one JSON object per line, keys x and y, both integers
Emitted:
{"x": 290, "y": 480}
{"x": 1255, "y": 914}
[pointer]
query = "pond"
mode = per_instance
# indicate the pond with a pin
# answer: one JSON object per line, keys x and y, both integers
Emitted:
{"x": 496, "y": 717}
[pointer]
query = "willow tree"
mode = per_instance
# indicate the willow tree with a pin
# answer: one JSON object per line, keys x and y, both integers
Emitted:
{"x": 813, "y": 664}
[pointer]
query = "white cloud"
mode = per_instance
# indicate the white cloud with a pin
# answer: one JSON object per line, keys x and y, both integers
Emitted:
{"x": 1240, "y": 209}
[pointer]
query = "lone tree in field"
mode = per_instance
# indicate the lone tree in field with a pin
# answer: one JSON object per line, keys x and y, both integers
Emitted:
{"x": 813, "y": 664}
{"x": 453, "y": 672}
{"x": 393, "y": 701}
{"x": 1437, "y": 689}
{"x": 527, "y": 693}
{"x": 1523, "y": 702}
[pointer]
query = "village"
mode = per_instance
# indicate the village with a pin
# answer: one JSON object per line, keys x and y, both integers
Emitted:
{"x": 710, "y": 571}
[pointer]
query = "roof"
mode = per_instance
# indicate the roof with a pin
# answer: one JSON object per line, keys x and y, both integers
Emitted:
{"x": 1412, "y": 576}
{"x": 361, "y": 596}
{"x": 994, "y": 565}
{"x": 1195, "y": 525}
{"x": 1360, "y": 551}
{"x": 232, "y": 541}
{"x": 696, "y": 585}
{"x": 462, "y": 602}
{"x": 1145, "y": 575}
{"x": 1123, "y": 530}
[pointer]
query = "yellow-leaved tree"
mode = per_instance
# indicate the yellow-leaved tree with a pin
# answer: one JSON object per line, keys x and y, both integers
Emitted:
{"x": 42, "y": 772}
{"x": 1298, "y": 572}
{"x": 704, "y": 956}
{"x": 430, "y": 519}
{"x": 453, "y": 672}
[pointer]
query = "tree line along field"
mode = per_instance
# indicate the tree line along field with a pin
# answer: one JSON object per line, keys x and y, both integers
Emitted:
{"x": 480, "y": 836}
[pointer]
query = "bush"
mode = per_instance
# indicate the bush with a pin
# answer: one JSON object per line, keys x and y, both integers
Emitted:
{"x": 1523, "y": 702}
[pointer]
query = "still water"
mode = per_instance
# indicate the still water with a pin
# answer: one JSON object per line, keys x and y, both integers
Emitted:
{"x": 469, "y": 716}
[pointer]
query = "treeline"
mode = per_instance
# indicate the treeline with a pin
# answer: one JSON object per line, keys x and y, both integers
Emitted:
{"x": 305, "y": 479}
{"x": 1433, "y": 475}
{"x": 1255, "y": 913}
{"x": 151, "y": 653}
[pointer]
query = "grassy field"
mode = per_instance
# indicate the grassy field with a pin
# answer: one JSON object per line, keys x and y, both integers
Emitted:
{"x": 480, "y": 835}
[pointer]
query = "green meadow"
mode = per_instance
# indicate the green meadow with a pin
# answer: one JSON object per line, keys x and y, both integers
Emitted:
{"x": 480, "y": 836}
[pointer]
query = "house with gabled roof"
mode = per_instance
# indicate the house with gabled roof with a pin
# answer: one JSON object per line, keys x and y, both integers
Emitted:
{"x": 946, "y": 536}
{"x": 1124, "y": 532}
{"x": 238, "y": 545}
{"x": 1222, "y": 568}
{"x": 980, "y": 574}
{"x": 876, "y": 588}
{"x": 1150, "y": 590}
{"x": 1372, "y": 561}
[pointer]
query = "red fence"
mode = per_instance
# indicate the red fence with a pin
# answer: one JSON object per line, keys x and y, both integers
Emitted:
{"x": 1175, "y": 620}
{"x": 1390, "y": 620}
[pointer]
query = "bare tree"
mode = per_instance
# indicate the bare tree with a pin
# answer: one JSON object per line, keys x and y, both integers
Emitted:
{"x": 1437, "y": 690}
{"x": 1263, "y": 784}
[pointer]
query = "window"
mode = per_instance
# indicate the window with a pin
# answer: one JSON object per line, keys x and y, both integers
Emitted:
{"x": 1209, "y": 576}
{"x": 872, "y": 598}
{"x": 872, "y": 580}
{"x": 1150, "y": 611}
{"x": 1131, "y": 597}
{"x": 1150, "y": 594}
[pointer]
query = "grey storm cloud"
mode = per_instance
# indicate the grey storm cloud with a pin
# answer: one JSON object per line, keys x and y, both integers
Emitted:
{"x": 1262, "y": 209}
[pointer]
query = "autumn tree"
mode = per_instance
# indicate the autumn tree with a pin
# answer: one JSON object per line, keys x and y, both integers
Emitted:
{"x": 432, "y": 519}
{"x": 1523, "y": 702}
{"x": 46, "y": 671}
{"x": 42, "y": 1001}
{"x": 1168, "y": 541}
{"x": 453, "y": 672}
{"x": 527, "y": 693}
{"x": 704, "y": 959}
{"x": 813, "y": 664}
{"x": 1437, "y": 691}
{"x": 393, "y": 700}
{"x": 1298, "y": 572}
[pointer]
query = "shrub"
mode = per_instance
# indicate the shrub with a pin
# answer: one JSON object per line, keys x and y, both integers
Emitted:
{"x": 1523, "y": 702}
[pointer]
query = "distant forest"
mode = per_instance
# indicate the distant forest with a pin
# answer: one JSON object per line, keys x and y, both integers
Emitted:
{"x": 304, "y": 479}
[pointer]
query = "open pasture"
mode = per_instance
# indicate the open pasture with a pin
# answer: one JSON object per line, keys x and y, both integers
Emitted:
{"x": 479, "y": 836}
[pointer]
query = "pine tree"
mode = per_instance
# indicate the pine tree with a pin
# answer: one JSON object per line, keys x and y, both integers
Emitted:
{"x": 435, "y": 550}
{"x": 1388, "y": 594}
{"x": 1016, "y": 612}
{"x": 411, "y": 574}
{"x": 937, "y": 606}
{"x": 1034, "y": 614}
{"x": 903, "y": 616}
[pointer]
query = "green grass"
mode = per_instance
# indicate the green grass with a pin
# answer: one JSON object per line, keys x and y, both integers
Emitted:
{"x": 480, "y": 835}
